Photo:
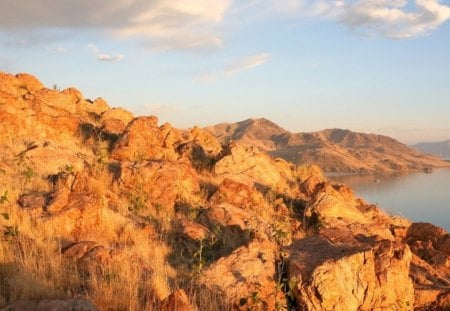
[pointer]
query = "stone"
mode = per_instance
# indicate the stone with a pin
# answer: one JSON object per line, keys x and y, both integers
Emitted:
{"x": 239, "y": 195}
{"x": 142, "y": 140}
{"x": 31, "y": 83}
{"x": 177, "y": 301}
{"x": 194, "y": 230}
{"x": 249, "y": 166}
{"x": 114, "y": 121}
{"x": 350, "y": 275}
{"x": 246, "y": 277}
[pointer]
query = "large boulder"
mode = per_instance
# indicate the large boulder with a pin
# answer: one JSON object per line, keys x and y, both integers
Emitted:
{"x": 247, "y": 277}
{"x": 53, "y": 102}
{"x": 114, "y": 121}
{"x": 160, "y": 184}
{"x": 239, "y": 195}
{"x": 334, "y": 205}
{"x": 205, "y": 139}
{"x": 349, "y": 274}
{"x": 248, "y": 165}
{"x": 142, "y": 140}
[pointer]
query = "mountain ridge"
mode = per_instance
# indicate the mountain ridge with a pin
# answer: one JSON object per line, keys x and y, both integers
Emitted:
{"x": 334, "y": 150}
{"x": 437, "y": 148}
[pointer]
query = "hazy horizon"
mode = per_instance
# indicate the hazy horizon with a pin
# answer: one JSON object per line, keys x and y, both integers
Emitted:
{"x": 365, "y": 65}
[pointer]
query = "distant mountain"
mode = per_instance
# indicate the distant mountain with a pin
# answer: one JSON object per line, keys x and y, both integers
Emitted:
{"x": 440, "y": 149}
{"x": 335, "y": 150}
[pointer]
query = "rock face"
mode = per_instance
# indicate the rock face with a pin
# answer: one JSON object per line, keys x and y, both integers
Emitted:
{"x": 334, "y": 150}
{"x": 335, "y": 206}
{"x": 247, "y": 277}
{"x": 431, "y": 265}
{"x": 142, "y": 140}
{"x": 249, "y": 166}
{"x": 366, "y": 276}
{"x": 176, "y": 181}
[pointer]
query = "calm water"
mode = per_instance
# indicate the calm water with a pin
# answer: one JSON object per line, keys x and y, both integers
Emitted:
{"x": 417, "y": 196}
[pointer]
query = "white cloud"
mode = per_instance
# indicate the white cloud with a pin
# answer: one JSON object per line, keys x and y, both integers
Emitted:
{"x": 158, "y": 24}
{"x": 103, "y": 57}
{"x": 248, "y": 62}
{"x": 396, "y": 19}
{"x": 236, "y": 67}
{"x": 393, "y": 18}
{"x": 200, "y": 24}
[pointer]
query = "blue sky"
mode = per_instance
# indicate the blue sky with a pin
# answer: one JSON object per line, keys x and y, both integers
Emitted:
{"x": 367, "y": 65}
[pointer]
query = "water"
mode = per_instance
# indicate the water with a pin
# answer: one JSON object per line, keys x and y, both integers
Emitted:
{"x": 420, "y": 196}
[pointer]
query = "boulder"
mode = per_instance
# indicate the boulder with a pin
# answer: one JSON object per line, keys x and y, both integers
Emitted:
{"x": 31, "y": 83}
{"x": 53, "y": 102}
{"x": 205, "y": 139}
{"x": 334, "y": 205}
{"x": 247, "y": 277}
{"x": 249, "y": 166}
{"x": 177, "y": 301}
{"x": 350, "y": 274}
{"x": 193, "y": 230}
{"x": 161, "y": 184}
{"x": 239, "y": 195}
{"x": 142, "y": 140}
{"x": 114, "y": 121}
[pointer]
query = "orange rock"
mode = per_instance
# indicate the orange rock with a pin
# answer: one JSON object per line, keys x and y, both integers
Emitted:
{"x": 177, "y": 301}
{"x": 246, "y": 277}
{"x": 31, "y": 83}
{"x": 142, "y": 140}
{"x": 239, "y": 195}
{"x": 348, "y": 275}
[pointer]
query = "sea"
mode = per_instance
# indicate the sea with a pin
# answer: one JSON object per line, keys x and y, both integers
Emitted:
{"x": 418, "y": 196}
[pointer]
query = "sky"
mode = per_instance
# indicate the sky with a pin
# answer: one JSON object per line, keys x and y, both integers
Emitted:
{"x": 378, "y": 66}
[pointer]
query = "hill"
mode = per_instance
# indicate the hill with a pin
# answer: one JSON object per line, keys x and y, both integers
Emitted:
{"x": 334, "y": 150}
{"x": 439, "y": 149}
{"x": 104, "y": 210}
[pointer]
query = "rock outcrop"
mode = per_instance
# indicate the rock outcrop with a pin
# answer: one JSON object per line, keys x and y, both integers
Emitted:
{"x": 350, "y": 275}
{"x": 97, "y": 203}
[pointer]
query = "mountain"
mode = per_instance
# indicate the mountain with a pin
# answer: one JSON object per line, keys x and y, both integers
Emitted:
{"x": 103, "y": 210}
{"x": 334, "y": 150}
{"x": 440, "y": 149}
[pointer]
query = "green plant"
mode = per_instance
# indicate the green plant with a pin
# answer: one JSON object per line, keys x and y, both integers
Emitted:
{"x": 200, "y": 262}
{"x": 4, "y": 197}
{"x": 28, "y": 173}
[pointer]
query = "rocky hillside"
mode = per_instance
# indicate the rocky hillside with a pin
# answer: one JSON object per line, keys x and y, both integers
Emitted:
{"x": 439, "y": 149}
{"x": 102, "y": 210}
{"x": 334, "y": 150}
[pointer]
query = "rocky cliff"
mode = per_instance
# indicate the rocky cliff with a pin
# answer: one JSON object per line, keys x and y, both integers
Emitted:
{"x": 101, "y": 210}
{"x": 334, "y": 150}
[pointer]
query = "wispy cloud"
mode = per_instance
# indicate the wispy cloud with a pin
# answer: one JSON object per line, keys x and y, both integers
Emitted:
{"x": 59, "y": 49}
{"x": 235, "y": 67}
{"x": 160, "y": 108}
{"x": 103, "y": 57}
{"x": 248, "y": 62}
